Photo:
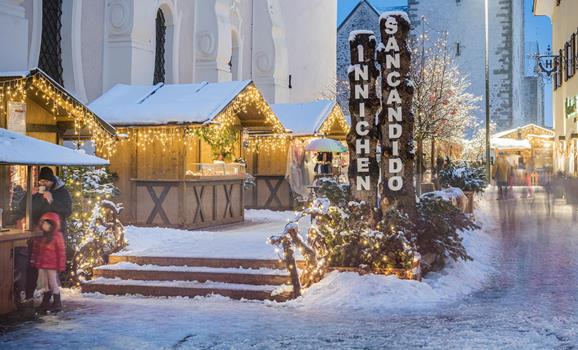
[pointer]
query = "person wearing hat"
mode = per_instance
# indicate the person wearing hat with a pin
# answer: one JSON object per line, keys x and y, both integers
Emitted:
{"x": 50, "y": 196}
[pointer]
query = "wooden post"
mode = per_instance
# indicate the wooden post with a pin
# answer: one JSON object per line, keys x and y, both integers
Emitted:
{"x": 29, "y": 185}
{"x": 291, "y": 266}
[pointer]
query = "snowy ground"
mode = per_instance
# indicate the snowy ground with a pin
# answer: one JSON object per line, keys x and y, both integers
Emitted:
{"x": 246, "y": 240}
{"x": 520, "y": 292}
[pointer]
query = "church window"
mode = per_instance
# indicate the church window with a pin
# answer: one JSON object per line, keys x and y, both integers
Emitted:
{"x": 161, "y": 31}
{"x": 50, "y": 59}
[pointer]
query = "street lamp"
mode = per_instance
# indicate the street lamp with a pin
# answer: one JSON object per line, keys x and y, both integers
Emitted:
{"x": 487, "y": 66}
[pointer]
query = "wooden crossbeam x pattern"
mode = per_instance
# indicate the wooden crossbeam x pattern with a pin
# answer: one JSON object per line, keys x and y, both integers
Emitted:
{"x": 158, "y": 202}
{"x": 199, "y": 199}
{"x": 273, "y": 191}
{"x": 228, "y": 205}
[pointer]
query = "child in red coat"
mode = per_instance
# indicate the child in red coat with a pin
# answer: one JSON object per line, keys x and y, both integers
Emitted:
{"x": 49, "y": 257}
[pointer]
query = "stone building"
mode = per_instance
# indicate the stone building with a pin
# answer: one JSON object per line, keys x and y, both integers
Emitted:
{"x": 363, "y": 16}
{"x": 285, "y": 47}
{"x": 515, "y": 99}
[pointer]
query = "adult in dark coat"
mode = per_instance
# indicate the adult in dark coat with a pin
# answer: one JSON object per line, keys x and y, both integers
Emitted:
{"x": 50, "y": 196}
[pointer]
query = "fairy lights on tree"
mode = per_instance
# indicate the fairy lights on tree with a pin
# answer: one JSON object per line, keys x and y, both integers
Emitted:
{"x": 94, "y": 230}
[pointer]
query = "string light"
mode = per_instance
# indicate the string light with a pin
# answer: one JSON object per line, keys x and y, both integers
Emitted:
{"x": 59, "y": 104}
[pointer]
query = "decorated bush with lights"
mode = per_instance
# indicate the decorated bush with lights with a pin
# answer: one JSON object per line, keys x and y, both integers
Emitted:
{"x": 350, "y": 235}
{"x": 465, "y": 177}
{"x": 94, "y": 230}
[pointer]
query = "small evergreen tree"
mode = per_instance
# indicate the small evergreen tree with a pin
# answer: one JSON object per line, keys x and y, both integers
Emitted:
{"x": 94, "y": 230}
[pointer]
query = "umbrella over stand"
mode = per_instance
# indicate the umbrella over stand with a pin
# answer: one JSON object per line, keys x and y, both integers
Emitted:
{"x": 325, "y": 145}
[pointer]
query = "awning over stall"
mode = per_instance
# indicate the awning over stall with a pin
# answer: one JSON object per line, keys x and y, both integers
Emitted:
{"x": 17, "y": 149}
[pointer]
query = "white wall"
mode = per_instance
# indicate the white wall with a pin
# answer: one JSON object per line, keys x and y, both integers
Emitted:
{"x": 13, "y": 36}
{"x": 311, "y": 46}
{"x": 106, "y": 42}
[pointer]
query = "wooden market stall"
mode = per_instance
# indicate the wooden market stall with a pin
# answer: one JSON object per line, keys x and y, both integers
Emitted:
{"x": 31, "y": 103}
{"x": 181, "y": 163}
{"x": 271, "y": 164}
{"x": 21, "y": 150}
{"x": 529, "y": 149}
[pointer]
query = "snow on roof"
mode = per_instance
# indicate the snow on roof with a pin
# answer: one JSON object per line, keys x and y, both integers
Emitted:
{"x": 14, "y": 74}
{"x": 505, "y": 143}
{"x": 511, "y": 131}
{"x": 19, "y": 149}
{"x": 402, "y": 14}
{"x": 166, "y": 103}
{"x": 303, "y": 118}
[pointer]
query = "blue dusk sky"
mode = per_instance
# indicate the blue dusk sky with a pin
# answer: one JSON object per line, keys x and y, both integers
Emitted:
{"x": 537, "y": 30}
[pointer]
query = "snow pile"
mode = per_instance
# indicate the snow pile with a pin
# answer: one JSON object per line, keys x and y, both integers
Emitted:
{"x": 245, "y": 240}
{"x": 447, "y": 194}
{"x": 354, "y": 33}
{"x": 401, "y": 14}
{"x": 377, "y": 293}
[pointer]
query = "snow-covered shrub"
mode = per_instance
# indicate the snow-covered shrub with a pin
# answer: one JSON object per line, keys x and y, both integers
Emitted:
{"x": 336, "y": 193}
{"x": 437, "y": 232}
{"x": 93, "y": 230}
{"x": 467, "y": 178}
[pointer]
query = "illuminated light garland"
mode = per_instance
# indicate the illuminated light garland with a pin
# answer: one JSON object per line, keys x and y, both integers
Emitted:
{"x": 59, "y": 104}
{"x": 335, "y": 117}
{"x": 226, "y": 120}
{"x": 270, "y": 143}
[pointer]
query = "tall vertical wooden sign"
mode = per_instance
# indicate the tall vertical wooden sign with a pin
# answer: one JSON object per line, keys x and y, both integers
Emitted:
{"x": 363, "y": 136}
{"x": 393, "y": 128}
{"x": 396, "y": 119}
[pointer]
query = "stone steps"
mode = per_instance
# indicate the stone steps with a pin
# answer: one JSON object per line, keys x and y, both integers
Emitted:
{"x": 132, "y": 271}
{"x": 117, "y": 286}
{"x": 252, "y": 279}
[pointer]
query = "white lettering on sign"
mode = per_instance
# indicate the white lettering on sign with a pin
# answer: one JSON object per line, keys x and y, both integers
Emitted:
{"x": 393, "y": 105}
{"x": 362, "y": 144}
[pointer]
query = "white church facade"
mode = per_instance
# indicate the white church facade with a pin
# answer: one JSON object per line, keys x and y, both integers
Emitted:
{"x": 286, "y": 47}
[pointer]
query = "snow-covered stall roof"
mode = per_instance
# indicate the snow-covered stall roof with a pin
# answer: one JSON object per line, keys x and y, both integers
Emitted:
{"x": 514, "y": 131}
{"x": 507, "y": 143}
{"x": 305, "y": 118}
{"x": 17, "y": 149}
{"x": 160, "y": 104}
{"x": 70, "y": 97}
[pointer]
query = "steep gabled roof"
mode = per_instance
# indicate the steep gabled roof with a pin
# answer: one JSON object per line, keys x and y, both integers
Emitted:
{"x": 355, "y": 9}
{"x": 376, "y": 10}
{"x": 183, "y": 104}
{"x": 166, "y": 103}
{"x": 308, "y": 118}
{"x": 36, "y": 74}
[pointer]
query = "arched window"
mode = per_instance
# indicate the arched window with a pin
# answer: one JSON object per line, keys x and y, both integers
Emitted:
{"x": 50, "y": 59}
{"x": 159, "y": 76}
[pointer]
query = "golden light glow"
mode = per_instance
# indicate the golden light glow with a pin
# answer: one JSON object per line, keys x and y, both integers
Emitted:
{"x": 59, "y": 104}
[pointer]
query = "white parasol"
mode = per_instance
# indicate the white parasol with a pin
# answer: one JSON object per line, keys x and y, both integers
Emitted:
{"x": 326, "y": 145}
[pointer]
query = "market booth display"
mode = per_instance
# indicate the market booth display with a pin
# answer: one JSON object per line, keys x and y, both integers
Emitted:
{"x": 32, "y": 104}
{"x": 282, "y": 168}
{"x": 20, "y": 150}
{"x": 530, "y": 151}
{"x": 181, "y": 163}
